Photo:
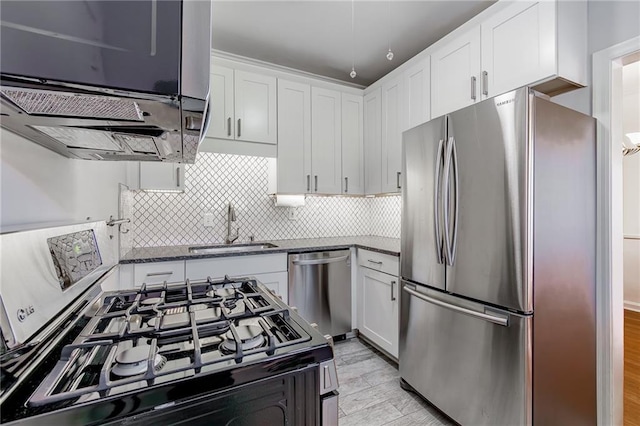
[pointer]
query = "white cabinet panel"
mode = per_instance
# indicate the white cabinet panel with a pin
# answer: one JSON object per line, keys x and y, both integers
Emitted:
{"x": 455, "y": 74}
{"x": 379, "y": 261}
{"x": 392, "y": 118}
{"x": 161, "y": 176}
{"x": 352, "y": 145}
{"x": 158, "y": 272}
{"x": 235, "y": 266}
{"x": 417, "y": 98}
{"x": 221, "y": 95}
{"x": 326, "y": 141}
{"x": 378, "y": 309}
{"x": 255, "y": 107}
{"x": 518, "y": 46}
{"x": 373, "y": 142}
{"x": 277, "y": 282}
{"x": 294, "y": 137}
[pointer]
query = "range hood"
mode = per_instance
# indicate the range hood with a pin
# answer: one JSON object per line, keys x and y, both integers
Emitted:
{"x": 107, "y": 80}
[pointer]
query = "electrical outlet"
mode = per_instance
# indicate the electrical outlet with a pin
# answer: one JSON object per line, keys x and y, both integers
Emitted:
{"x": 292, "y": 214}
{"x": 208, "y": 220}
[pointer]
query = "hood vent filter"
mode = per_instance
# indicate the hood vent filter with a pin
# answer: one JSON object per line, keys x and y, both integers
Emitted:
{"x": 73, "y": 104}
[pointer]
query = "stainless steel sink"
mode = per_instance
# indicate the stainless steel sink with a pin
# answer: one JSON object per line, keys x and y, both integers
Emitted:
{"x": 230, "y": 248}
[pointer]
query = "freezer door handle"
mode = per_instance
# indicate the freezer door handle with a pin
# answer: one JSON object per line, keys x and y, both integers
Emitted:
{"x": 436, "y": 208}
{"x": 496, "y": 319}
{"x": 320, "y": 261}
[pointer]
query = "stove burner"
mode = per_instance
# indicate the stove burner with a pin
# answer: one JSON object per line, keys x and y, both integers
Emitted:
{"x": 224, "y": 292}
{"x": 151, "y": 301}
{"x": 251, "y": 337}
{"x": 229, "y": 304}
{"x": 133, "y": 361}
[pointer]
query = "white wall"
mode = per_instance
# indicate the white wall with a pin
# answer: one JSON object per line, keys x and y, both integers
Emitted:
{"x": 609, "y": 23}
{"x": 37, "y": 185}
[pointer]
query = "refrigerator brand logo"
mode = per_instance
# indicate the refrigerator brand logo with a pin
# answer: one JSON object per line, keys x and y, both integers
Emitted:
{"x": 23, "y": 313}
{"x": 508, "y": 101}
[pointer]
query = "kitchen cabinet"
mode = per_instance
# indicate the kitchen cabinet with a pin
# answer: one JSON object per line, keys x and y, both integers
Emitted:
{"x": 455, "y": 73}
{"x": 132, "y": 275}
{"x": 221, "y": 103}
{"x": 161, "y": 176}
{"x": 527, "y": 42}
{"x": 255, "y": 107}
{"x": 326, "y": 141}
{"x": 243, "y": 106}
{"x": 294, "y": 138}
{"x": 539, "y": 44}
{"x": 378, "y": 311}
{"x": 352, "y": 144}
{"x": 391, "y": 142}
{"x": 270, "y": 269}
{"x": 373, "y": 142}
{"x": 417, "y": 93}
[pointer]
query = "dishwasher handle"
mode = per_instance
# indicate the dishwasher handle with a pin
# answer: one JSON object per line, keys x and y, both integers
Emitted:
{"x": 320, "y": 261}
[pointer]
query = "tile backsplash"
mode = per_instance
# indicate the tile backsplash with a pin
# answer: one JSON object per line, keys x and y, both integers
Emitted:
{"x": 160, "y": 219}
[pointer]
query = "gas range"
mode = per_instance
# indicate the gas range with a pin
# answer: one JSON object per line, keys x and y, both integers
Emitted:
{"x": 146, "y": 355}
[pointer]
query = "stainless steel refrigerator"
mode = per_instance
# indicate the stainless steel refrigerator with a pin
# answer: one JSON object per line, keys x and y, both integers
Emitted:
{"x": 497, "y": 323}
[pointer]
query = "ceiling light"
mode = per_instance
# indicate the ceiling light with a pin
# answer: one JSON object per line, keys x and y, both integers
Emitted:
{"x": 389, "y": 53}
{"x": 353, "y": 74}
{"x": 633, "y": 146}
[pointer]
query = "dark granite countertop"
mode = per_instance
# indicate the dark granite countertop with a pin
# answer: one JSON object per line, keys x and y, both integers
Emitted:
{"x": 389, "y": 246}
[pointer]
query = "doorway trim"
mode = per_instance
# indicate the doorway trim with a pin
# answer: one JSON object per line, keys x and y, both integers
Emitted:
{"x": 606, "y": 107}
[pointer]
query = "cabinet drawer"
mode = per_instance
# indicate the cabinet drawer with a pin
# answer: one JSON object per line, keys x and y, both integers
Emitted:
{"x": 153, "y": 273}
{"x": 379, "y": 262}
{"x": 235, "y": 266}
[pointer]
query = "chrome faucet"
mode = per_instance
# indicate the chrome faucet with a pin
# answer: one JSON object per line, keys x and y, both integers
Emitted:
{"x": 231, "y": 217}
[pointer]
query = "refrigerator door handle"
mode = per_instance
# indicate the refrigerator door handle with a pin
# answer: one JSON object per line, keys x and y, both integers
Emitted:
{"x": 445, "y": 202}
{"x": 437, "y": 204}
{"x": 454, "y": 237}
{"x": 496, "y": 319}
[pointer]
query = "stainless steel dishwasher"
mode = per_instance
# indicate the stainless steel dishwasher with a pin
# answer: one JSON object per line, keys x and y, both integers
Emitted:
{"x": 320, "y": 287}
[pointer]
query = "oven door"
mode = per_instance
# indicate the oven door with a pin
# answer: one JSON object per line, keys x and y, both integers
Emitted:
{"x": 288, "y": 399}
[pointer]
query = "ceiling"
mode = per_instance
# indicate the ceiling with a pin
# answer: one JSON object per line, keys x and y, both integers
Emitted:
{"x": 315, "y": 36}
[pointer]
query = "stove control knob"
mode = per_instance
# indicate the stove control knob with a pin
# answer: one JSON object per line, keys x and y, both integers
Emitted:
{"x": 314, "y": 325}
{"x": 294, "y": 309}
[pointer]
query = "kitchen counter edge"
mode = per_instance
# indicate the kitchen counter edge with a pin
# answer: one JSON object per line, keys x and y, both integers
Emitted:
{"x": 390, "y": 246}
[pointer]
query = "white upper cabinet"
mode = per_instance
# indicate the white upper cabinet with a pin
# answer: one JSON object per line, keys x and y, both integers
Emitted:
{"x": 161, "y": 176}
{"x": 455, "y": 73}
{"x": 326, "y": 141}
{"x": 243, "y": 106}
{"x": 352, "y": 145}
{"x": 255, "y": 107}
{"x": 294, "y": 137}
{"x": 417, "y": 96}
{"x": 373, "y": 142}
{"x": 535, "y": 43}
{"x": 222, "y": 114}
{"x": 518, "y": 47}
{"x": 392, "y": 118}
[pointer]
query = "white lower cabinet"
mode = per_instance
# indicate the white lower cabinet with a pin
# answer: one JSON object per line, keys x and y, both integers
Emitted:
{"x": 378, "y": 310}
{"x": 269, "y": 269}
{"x": 133, "y": 275}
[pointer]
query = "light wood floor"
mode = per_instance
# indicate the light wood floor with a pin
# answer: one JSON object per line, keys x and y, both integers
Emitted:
{"x": 631, "y": 368}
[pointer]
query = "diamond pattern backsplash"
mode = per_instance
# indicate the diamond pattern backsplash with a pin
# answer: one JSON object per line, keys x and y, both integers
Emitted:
{"x": 161, "y": 219}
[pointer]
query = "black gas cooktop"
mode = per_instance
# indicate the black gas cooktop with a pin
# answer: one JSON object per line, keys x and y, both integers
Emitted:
{"x": 129, "y": 352}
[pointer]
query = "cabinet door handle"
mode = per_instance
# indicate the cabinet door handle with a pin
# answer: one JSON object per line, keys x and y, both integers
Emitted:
{"x": 485, "y": 83}
{"x": 308, "y": 183}
{"x": 374, "y": 261}
{"x": 346, "y": 185}
{"x": 398, "y": 179}
{"x": 178, "y": 177}
{"x": 229, "y": 126}
{"x": 159, "y": 274}
{"x": 239, "y": 134}
{"x": 473, "y": 88}
{"x": 393, "y": 297}
{"x": 316, "y": 183}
